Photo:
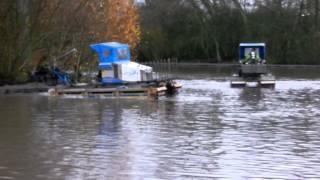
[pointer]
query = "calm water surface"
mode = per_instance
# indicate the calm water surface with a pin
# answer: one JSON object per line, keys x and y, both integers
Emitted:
{"x": 208, "y": 131}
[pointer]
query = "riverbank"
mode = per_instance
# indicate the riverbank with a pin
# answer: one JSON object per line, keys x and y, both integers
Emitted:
{"x": 24, "y": 88}
{"x": 231, "y": 64}
{"x": 7, "y": 87}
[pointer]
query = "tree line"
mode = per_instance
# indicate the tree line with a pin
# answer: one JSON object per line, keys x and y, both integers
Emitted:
{"x": 211, "y": 30}
{"x": 35, "y": 32}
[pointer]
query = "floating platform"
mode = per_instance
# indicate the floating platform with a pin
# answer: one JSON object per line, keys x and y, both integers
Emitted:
{"x": 152, "y": 92}
{"x": 263, "y": 84}
{"x": 265, "y": 81}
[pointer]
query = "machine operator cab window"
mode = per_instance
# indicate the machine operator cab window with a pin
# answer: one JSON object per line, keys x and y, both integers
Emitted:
{"x": 123, "y": 53}
{"x": 252, "y": 53}
{"x": 111, "y": 52}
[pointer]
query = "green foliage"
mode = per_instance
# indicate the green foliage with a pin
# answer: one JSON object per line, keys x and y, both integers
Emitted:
{"x": 211, "y": 30}
{"x": 34, "y": 32}
{"x": 37, "y": 31}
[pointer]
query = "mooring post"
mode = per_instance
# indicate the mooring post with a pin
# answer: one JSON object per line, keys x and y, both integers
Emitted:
{"x": 169, "y": 73}
{"x": 153, "y": 93}
{"x": 116, "y": 93}
{"x": 53, "y": 92}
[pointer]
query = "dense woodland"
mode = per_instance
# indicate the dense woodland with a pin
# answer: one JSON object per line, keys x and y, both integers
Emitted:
{"x": 210, "y": 30}
{"x": 37, "y": 32}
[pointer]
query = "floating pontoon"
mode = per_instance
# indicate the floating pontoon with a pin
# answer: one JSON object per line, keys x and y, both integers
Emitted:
{"x": 118, "y": 76}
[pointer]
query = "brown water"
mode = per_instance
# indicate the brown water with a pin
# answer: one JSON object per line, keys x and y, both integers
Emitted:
{"x": 208, "y": 131}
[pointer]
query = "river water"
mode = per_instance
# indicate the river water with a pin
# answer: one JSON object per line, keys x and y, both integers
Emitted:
{"x": 207, "y": 131}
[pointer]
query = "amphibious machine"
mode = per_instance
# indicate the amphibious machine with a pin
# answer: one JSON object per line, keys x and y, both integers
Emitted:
{"x": 252, "y": 69}
{"x": 118, "y": 76}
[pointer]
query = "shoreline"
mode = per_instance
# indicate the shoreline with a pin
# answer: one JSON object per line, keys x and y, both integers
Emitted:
{"x": 231, "y": 64}
{"x": 26, "y": 88}
{"x": 30, "y": 87}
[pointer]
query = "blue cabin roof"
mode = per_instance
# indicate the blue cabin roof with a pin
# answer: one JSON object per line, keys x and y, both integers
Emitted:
{"x": 252, "y": 44}
{"x": 244, "y": 48}
{"x": 111, "y": 52}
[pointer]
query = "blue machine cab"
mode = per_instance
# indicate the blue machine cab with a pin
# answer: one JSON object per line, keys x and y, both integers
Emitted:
{"x": 246, "y": 48}
{"x": 115, "y": 66}
{"x": 111, "y": 52}
{"x": 252, "y": 67}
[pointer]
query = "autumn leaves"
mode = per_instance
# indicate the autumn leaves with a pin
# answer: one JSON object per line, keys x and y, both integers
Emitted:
{"x": 123, "y": 22}
{"x": 53, "y": 27}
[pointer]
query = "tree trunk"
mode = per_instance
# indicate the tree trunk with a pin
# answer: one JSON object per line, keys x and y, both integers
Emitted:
{"x": 316, "y": 14}
{"x": 243, "y": 15}
{"x": 218, "y": 50}
{"x": 24, "y": 48}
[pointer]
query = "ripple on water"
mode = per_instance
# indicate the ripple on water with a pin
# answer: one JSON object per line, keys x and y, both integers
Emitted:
{"x": 207, "y": 131}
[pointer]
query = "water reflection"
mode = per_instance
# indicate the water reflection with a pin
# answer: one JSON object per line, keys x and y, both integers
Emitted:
{"x": 208, "y": 131}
